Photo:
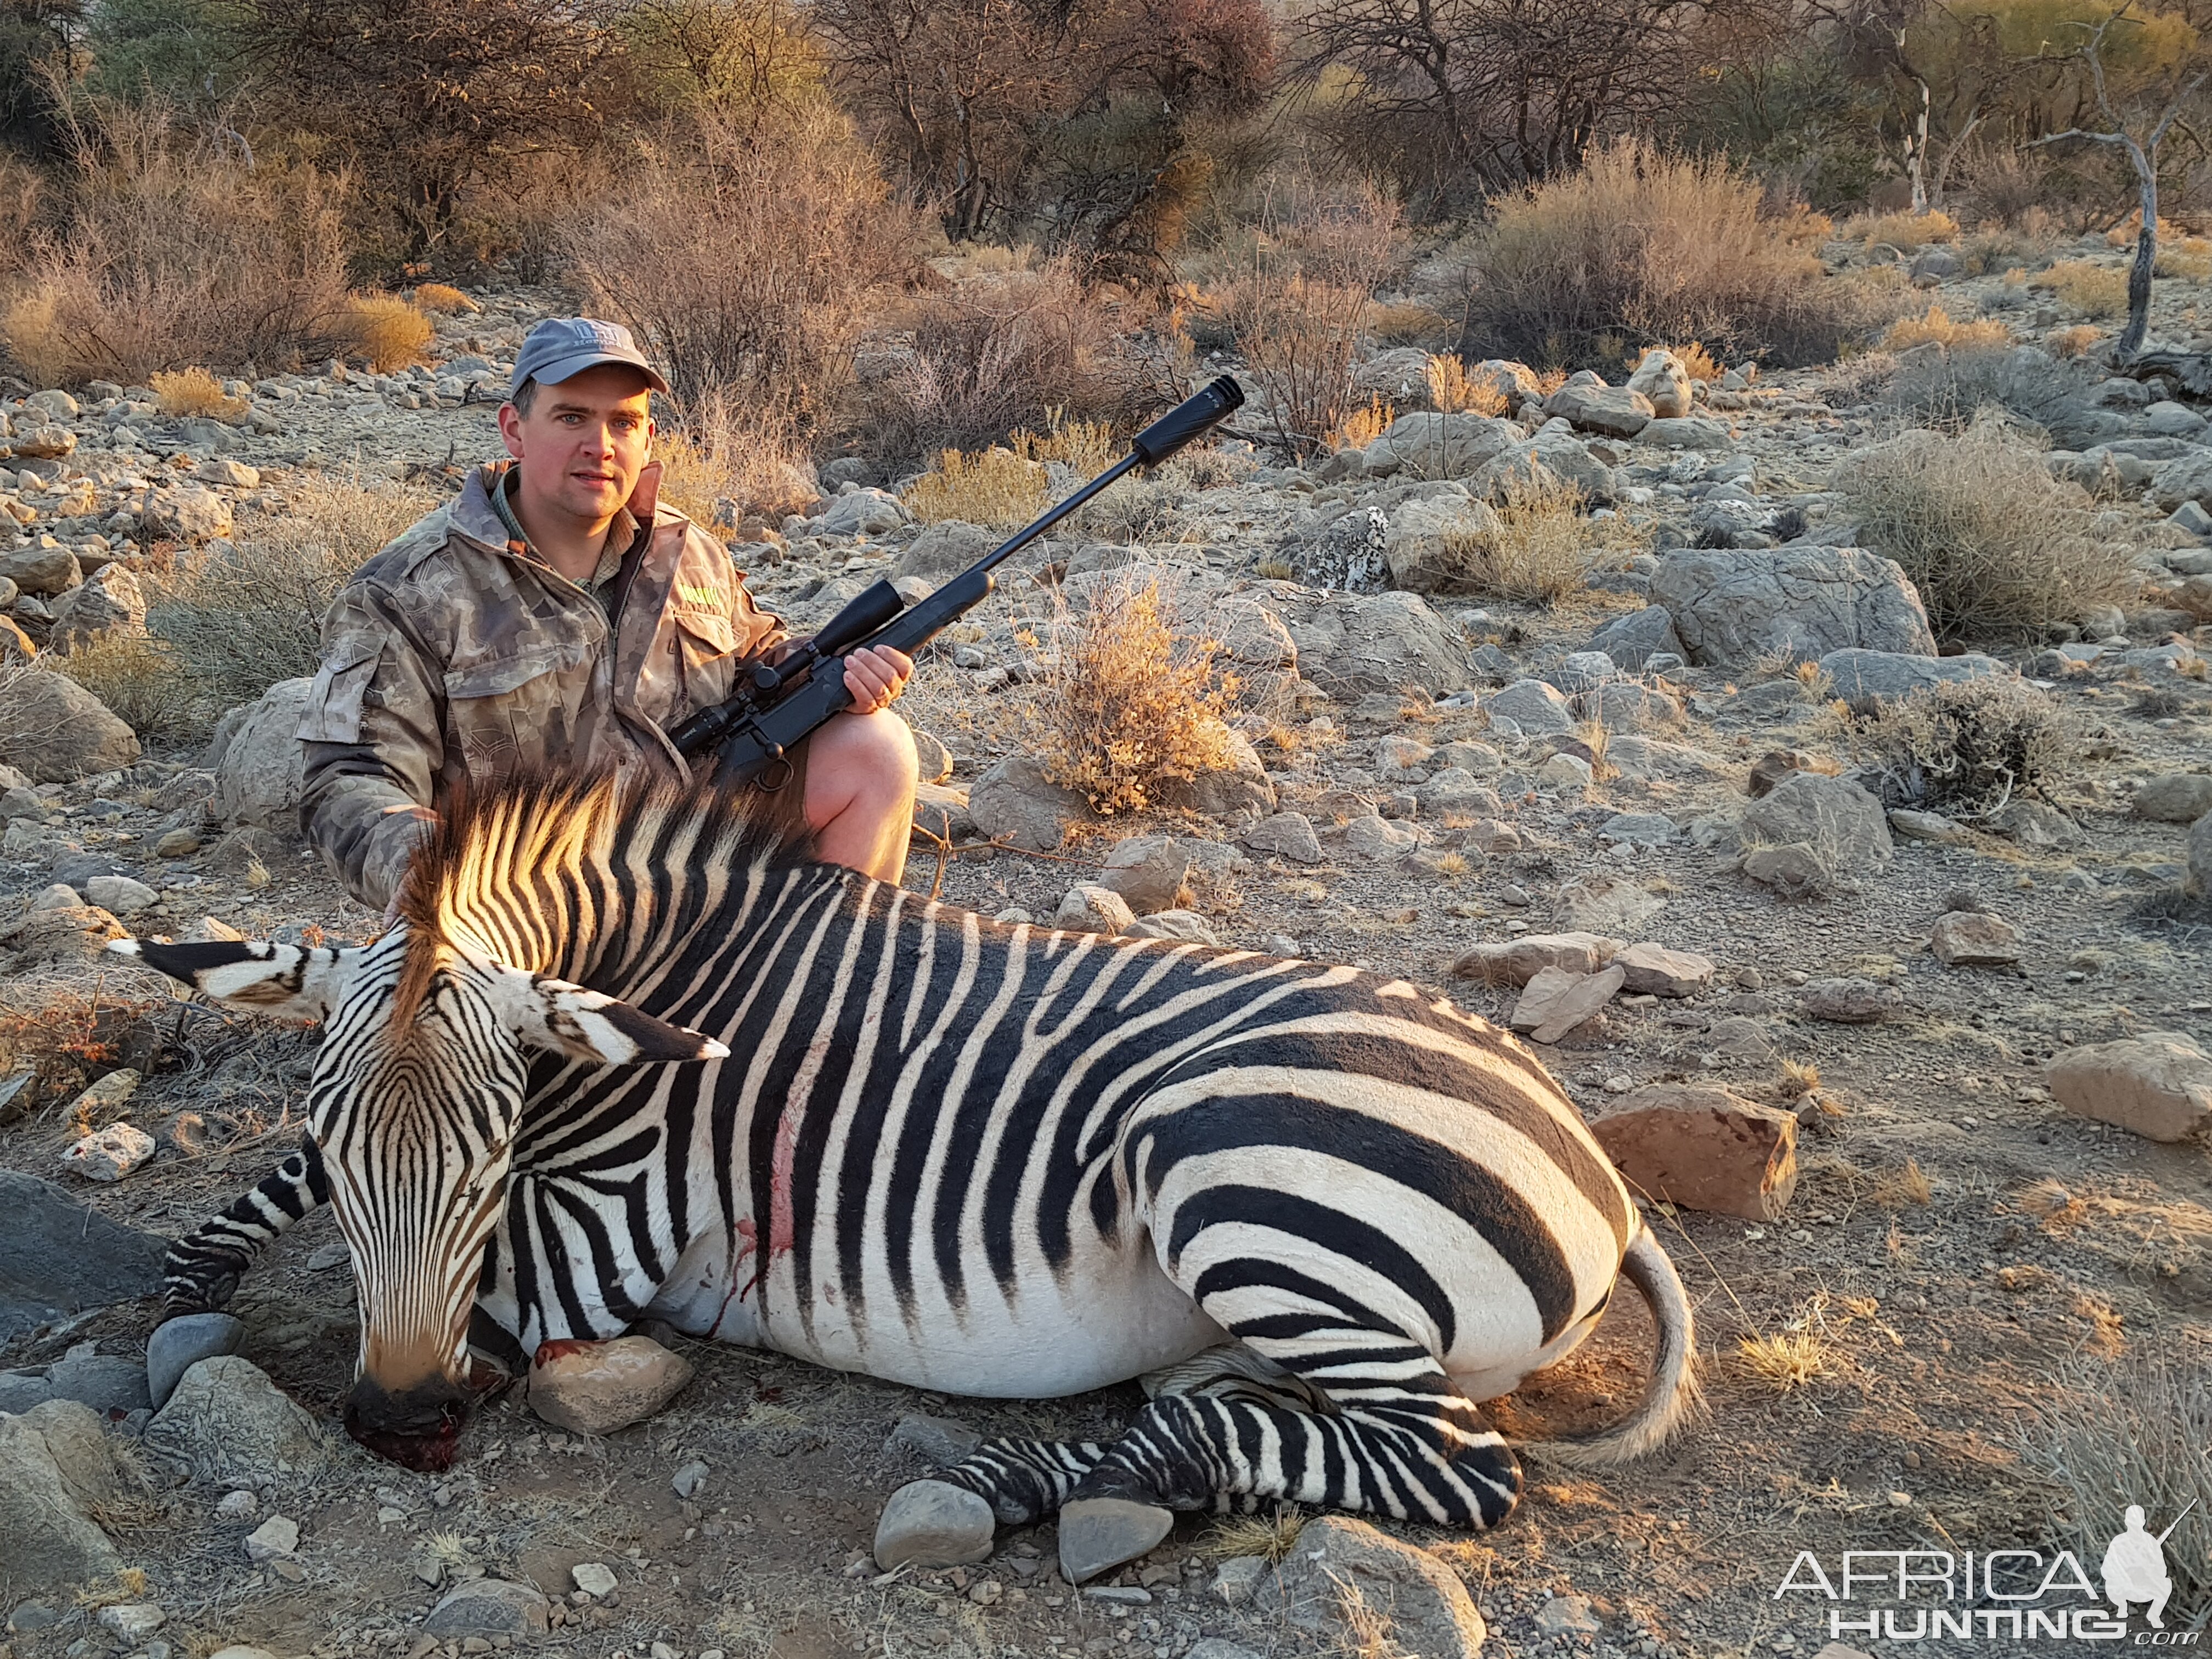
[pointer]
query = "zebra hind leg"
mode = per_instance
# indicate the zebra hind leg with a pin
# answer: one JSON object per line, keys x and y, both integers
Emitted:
{"x": 1373, "y": 1424}
{"x": 202, "y": 1268}
{"x": 953, "y": 1516}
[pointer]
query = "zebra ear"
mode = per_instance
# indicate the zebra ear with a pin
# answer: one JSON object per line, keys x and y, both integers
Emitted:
{"x": 252, "y": 974}
{"x": 600, "y": 1029}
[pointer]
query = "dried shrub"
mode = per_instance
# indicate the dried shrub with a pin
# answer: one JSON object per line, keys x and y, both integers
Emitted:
{"x": 1997, "y": 547}
{"x": 2078, "y": 340}
{"x": 1937, "y": 326}
{"x": 1409, "y": 324}
{"x": 722, "y": 463}
{"x": 442, "y": 300}
{"x": 997, "y": 488}
{"x": 2189, "y": 261}
{"x": 176, "y": 249}
{"x": 240, "y": 618}
{"x": 2133, "y": 1432}
{"x": 745, "y": 257}
{"x": 1085, "y": 448}
{"x": 1362, "y": 425}
{"x": 386, "y": 329}
{"x": 1131, "y": 703}
{"x": 994, "y": 354}
{"x": 194, "y": 392}
{"x": 1965, "y": 746}
{"x": 1908, "y": 233}
{"x": 2093, "y": 289}
{"x": 1543, "y": 549}
{"x": 1453, "y": 392}
{"x": 1700, "y": 363}
{"x": 139, "y": 679}
{"x": 1642, "y": 246}
{"x": 1951, "y": 390}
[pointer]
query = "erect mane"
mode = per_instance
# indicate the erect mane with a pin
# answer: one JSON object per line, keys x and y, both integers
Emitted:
{"x": 502, "y": 834}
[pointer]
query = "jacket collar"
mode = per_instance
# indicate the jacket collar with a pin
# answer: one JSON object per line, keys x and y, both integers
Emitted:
{"x": 476, "y": 518}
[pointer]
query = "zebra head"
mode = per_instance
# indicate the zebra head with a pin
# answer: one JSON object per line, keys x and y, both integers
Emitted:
{"x": 413, "y": 1104}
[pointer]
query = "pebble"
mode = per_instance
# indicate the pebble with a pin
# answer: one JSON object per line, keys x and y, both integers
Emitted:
{"x": 689, "y": 1481}
{"x": 329, "y": 1258}
{"x": 1974, "y": 938}
{"x": 239, "y": 1505}
{"x": 276, "y": 1536}
{"x": 1568, "y": 1615}
{"x": 109, "y": 1154}
{"x": 934, "y": 1524}
{"x": 594, "y": 1579}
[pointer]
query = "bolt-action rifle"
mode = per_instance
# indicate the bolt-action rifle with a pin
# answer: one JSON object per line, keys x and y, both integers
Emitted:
{"x": 778, "y": 704}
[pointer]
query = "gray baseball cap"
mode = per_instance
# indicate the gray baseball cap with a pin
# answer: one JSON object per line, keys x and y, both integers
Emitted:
{"x": 561, "y": 346}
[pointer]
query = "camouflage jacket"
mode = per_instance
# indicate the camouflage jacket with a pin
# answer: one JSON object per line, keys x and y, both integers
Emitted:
{"x": 455, "y": 654}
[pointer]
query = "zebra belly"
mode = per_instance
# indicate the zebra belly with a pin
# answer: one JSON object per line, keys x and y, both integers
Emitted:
{"x": 1115, "y": 1316}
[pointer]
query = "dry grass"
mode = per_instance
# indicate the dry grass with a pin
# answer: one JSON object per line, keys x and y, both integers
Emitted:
{"x": 194, "y": 392}
{"x": 1787, "y": 1360}
{"x": 1362, "y": 425}
{"x": 1129, "y": 702}
{"x": 386, "y": 329}
{"x": 1411, "y": 323}
{"x": 2134, "y": 1431}
{"x": 722, "y": 464}
{"x": 1908, "y": 233}
{"x": 1700, "y": 363}
{"x": 1998, "y": 548}
{"x": 1087, "y": 447}
{"x": 138, "y": 678}
{"x": 1542, "y": 547}
{"x": 441, "y": 299}
{"x": 2189, "y": 262}
{"x": 176, "y": 251}
{"x": 1937, "y": 326}
{"x": 2076, "y": 340}
{"x": 1452, "y": 392}
{"x": 2093, "y": 289}
{"x": 996, "y": 488}
{"x": 1645, "y": 246}
{"x": 1966, "y": 747}
{"x": 1800, "y": 1078}
{"x": 1901, "y": 1188}
{"x": 238, "y": 621}
{"x": 1274, "y": 1534}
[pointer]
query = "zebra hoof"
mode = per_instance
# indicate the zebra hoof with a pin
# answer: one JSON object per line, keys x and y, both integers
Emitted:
{"x": 1096, "y": 1533}
{"x": 934, "y": 1524}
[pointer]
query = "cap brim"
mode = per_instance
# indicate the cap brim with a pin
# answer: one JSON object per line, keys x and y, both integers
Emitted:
{"x": 563, "y": 368}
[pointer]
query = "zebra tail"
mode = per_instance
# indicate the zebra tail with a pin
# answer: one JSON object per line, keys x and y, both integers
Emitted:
{"x": 1673, "y": 1395}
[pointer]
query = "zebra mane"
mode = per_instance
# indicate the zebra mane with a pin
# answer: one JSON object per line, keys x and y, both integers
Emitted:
{"x": 490, "y": 840}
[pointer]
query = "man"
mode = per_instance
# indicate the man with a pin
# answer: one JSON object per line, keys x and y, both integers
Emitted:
{"x": 2135, "y": 1568}
{"x": 553, "y": 614}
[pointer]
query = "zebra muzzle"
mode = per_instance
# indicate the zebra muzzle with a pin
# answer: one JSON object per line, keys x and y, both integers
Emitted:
{"x": 418, "y": 1428}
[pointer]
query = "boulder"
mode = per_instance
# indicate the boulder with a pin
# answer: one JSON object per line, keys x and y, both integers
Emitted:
{"x": 1589, "y": 404}
{"x": 1343, "y": 1574}
{"x": 1862, "y": 677}
{"x": 1398, "y": 373}
{"x": 109, "y": 601}
{"x": 43, "y": 441}
{"x": 1015, "y": 802}
{"x": 2177, "y": 798}
{"x": 1238, "y": 791}
{"x": 1553, "y": 452}
{"x": 1375, "y": 837}
{"x": 1850, "y": 1001}
{"x": 1654, "y": 970}
{"x": 1537, "y": 709}
{"x": 1427, "y": 544}
{"x": 1555, "y": 1001}
{"x": 1839, "y": 824}
{"x": 934, "y": 1524}
{"x": 1702, "y": 1148}
{"x": 863, "y": 513}
{"x": 43, "y": 572}
{"x": 2186, "y": 478}
{"x": 1732, "y": 608}
{"x": 1688, "y": 432}
{"x": 1249, "y": 635}
{"x": 1349, "y": 644}
{"x": 1633, "y": 639}
{"x": 56, "y": 731}
{"x": 1286, "y": 834}
{"x": 57, "y": 1469}
{"x": 2200, "y": 854}
{"x": 1974, "y": 938}
{"x": 1518, "y": 961}
{"x": 62, "y": 1258}
{"x": 226, "y": 1421}
{"x": 1091, "y": 909}
{"x": 489, "y": 1607}
{"x": 191, "y": 513}
{"x": 1148, "y": 872}
{"x": 259, "y": 775}
{"x": 946, "y": 549}
{"x": 2158, "y": 1085}
{"x": 1431, "y": 445}
{"x": 1185, "y": 925}
{"x": 600, "y": 1386}
{"x": 1663, "y": 381}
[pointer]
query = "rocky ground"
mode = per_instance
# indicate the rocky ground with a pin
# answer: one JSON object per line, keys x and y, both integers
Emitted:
{"x": 1931, "y": 1215}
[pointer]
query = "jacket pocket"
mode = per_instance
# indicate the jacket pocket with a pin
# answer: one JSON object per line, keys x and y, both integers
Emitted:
{"x": 704, "y": 665}
{"x": 510, "y": 710}
{"x": 334, "y": 701}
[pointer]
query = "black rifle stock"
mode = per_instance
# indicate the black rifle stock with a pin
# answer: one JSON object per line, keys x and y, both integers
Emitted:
{"x": 780, "y": 705}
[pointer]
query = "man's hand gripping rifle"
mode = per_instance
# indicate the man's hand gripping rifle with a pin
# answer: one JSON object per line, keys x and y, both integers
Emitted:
{"x": 779, "y": 704}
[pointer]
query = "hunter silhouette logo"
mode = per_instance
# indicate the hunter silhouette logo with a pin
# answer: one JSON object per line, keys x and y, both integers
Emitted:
{"x": 2134, "y": 1566}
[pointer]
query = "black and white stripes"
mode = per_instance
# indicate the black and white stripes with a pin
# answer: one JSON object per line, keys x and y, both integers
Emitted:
{"x": 983, "y": 1159}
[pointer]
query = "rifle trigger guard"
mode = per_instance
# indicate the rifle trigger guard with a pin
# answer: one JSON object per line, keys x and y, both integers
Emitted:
{"x": 779, "y": 769}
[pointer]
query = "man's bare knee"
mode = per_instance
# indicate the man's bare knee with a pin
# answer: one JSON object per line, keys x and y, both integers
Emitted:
{"x": 864, "y": 754}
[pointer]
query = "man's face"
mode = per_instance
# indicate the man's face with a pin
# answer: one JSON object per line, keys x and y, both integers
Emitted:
{"x": 584, "y": 442}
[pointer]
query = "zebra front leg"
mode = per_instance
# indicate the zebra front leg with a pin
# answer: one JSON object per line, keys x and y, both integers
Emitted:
{"x": 202, "y": 1268}
{"x": 951, "y": 1518}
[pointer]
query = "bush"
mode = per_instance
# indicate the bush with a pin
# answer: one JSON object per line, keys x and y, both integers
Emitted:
{"x": 140, "y": 680}
{"x": 1362, "y": 425}
{"x": 194, "y": 392}
{"x": 386, "y": 329}
{"x": 1411, "y": 323}
{"x": 1909, "y": 331}
{"x": 440, "y": 300}
{"x": 1642, "y": 247}
{"x": 1965, "y": 746}
{"x": 240, "y": 618}
{"x": 1452, "y": 392}
{"x": 1952, "y": 390}
{"x": 1998, "y": 549}
{"x": 2094, "y": 289}
{"x": 177, "y": 252}
{"x": 995, "y": 354}
{"x": 1129, "y": 703}
{"x": 722, "y": 463}
{"x": 1543, "y": 548}
{"x": 996, "y": 488}
{"x": 1908, "y": 233}
{"x": 2076, "y": 341}
{"x": 744, "y": 259}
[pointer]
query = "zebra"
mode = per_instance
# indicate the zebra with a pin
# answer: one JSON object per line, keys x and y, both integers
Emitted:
{"x": 632, "y": 1052}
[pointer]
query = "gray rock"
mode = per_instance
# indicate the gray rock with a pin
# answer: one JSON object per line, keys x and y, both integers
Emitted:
{"x": 109, "y": 601}
{"x": 2200, "y": 854}
{"x": 946, "y": 549}
{"x": 1233, "y": 792}
{"x": 1431, "y": 445}
{"x": 690, "y": 1480}
{"x": 1351, "y": 644}
{"x": 1733, "y": 608}
{"x": 487, "y": 1607}
{"x": 1286, "y": 834}
{"x": 1648, "y": 969}
{"x": 1427, "y": 1608}
{"x": 45, "y": 571}
{"x": 2177, "y": 798}
{"x": 104, "y": 1382}
{"x": 225, "y": 1420}
{"x": 57, "y": 732}
{"x": 1687, "y": 431}
{"x": 1926, "y": 826}
{"x": 1634, "y": 640}
{"x": 120, "y": 895}
{"x": 1537, "y": 709}
{"x": 1615, "y": 410}
{"x": 1426, "y": 545}
{"x": 1974, "y": 938}
{"x": 57, "y": 1469}
{"x": 1569, "y": 1615}
{"x": 132, "y": 1621}
{"x": 1869, "y": 676}
{"x": 62, "y": 1258}
{"x": 1148, "y": 871}
{"x": 259, "y": 778}
{"x": 2032, "y": 824}
{"x": 1583, "y": 670}
{"x": 176, "y": 1345}
{"x": 2158, "y": 1085}
{"x": 1098, "y": 1534}
{"x": 276, "y": 1537}
{"x": 1639, "y": 829}
{"x": 1839, "y": 823}
{"x": 1372, "y": 836}
{"x": 1664, "y": 381}
{"x": 941, "y": 1440}
{"x": 1451, "y": 789}
{"x": 1187, "y": 926}
{"x": 1626, "y": 706}
{"x": 934, "y": 1524}
{"x": 863, "y": 513}
{"x": 1842, "y": 1001}
{"x": 189, "y": 513}
{"x": 1554, "y": 451}
{"x": 1091, "y": 908}
{"x": 1212, "y": 1647}
{"x": 1014, "y": 801}
{"x": 2188, "y": 478}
